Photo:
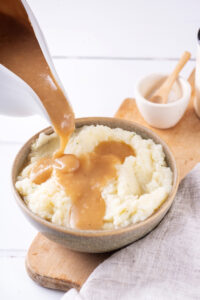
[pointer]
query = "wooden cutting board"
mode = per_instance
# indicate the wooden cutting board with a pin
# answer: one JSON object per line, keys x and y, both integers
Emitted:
{"x": 54, "y": 266}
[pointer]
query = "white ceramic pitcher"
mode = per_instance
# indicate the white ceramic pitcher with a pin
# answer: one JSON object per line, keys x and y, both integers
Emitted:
{"x": 14, "y": 91}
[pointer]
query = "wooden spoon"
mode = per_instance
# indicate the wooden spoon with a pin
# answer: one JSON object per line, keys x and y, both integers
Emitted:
{"x": 161, "y": 95}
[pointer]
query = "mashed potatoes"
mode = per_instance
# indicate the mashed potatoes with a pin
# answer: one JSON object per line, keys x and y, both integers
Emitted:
{"x": 143, "y": 181}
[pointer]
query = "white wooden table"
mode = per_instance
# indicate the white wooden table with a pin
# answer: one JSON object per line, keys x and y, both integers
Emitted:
{"x": 100, "y": 48}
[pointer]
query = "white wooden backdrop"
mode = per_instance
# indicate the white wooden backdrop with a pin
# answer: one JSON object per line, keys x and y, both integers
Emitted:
{"x": 100, "y": 48}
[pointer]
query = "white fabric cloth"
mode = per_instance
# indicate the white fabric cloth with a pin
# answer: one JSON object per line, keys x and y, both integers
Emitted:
{"x": 163, "y": 265}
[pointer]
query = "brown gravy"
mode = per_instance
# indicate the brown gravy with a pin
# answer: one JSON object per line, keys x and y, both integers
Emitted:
{"x": 82, "y": 178}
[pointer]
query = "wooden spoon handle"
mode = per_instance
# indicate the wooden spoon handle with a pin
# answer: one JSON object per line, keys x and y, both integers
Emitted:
{"x": 184, "y": 58}
{"x": 167, "y": 85}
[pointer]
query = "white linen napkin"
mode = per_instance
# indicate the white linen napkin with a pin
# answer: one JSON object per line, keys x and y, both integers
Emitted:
{"x": 163, "y": 265}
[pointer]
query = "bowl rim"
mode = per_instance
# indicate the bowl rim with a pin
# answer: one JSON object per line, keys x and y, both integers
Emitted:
{"x": 185, "y": 97}
{"x": 101, "y": 232}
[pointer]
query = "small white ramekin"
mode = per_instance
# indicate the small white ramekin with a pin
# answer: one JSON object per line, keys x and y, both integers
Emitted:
{"x": 161, "y": 115}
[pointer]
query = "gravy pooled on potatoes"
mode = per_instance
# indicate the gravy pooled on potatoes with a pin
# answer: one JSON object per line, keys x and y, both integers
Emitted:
{"x": 84, "y": 178}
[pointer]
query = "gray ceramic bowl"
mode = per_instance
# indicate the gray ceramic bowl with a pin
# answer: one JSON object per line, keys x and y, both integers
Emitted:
{"x": 97, "y": 240}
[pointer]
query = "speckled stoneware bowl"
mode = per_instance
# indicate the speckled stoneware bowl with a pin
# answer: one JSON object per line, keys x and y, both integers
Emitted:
{"x": 97, "y": 240}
